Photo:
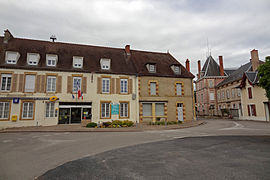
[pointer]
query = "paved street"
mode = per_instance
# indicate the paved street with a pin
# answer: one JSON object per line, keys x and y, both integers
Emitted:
{"x": 29, "y": 155}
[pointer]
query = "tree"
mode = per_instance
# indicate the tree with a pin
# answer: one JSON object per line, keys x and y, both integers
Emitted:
{"x": 264, "y": 76}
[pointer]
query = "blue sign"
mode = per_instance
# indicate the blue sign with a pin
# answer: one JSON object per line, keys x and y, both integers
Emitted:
{"x": 16, "y": 100}
{"x": 115, "y": 109}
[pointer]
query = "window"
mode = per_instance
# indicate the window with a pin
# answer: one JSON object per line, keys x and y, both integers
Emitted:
{"x": 251, "y": 110}
{"x": 147, "y": 109}
{"x": 105, "y": 85}
{"x": 77, "y": 84}
{"x": 32, "y": 58}
{"x": 228, "y": 94}
{"x": 51, "y": 83}
{"x": 12, "y": 57}
{"x": 5, "y": 82}
{"x": 212, "y": 96}
{"x": 124, "y": 110}
{"x": 30, "y": 83}
{"x": 105, "y": 110}
{"x": 151, "y": 68}
{"x": 51, "y": 59}
{"x": 210, "y": 83}
{"x": 4, "y": 110}
{"x": 202, "y": 98}
{"x": 159, "y": 109}
{"x": 105, "y": 64}
{"x": 239, "y": 92}
{"x": 223, "y": 94}
{"x": 153, "y": 89}
{"x": 218, "y": 95}
{"x": 77, "y": 62}
{"x": 28, "y": 110}
{"x": 50, "y": 109}
{"x": 233, "y": 95}
{"x": 124, "y": 85}
{"x": 249, "y": 93}
{"x": 178, "y": 89}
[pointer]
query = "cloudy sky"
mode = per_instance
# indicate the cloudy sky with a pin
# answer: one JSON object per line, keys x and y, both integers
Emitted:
{"x": 232, "y": 27}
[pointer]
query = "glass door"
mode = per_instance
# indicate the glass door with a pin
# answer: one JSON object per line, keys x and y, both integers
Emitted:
{"x": 76, "y": 115}
{"x": 64, "y": 116}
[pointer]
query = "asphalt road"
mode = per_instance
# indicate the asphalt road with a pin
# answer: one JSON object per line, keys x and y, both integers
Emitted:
{"x": 29, "y": 155}
{"x": 223, "y": 158}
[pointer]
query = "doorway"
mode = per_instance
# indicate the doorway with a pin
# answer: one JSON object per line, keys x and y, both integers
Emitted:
{"x": 64, "y": 115}
{"x": 180, "y": 112}
{"x": 76, "y": 115}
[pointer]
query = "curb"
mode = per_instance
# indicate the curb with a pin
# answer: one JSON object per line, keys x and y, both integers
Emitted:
{"x": 102, "y": 129}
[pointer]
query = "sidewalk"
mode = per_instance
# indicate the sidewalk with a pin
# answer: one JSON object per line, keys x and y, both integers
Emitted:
{"x": 79, "y": 128}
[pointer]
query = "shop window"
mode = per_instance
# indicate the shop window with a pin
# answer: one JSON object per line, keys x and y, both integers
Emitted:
{"x": 27, "y": 110}
{"x": 124, "y": 110}
{"x": 4, "y": 110}
{"x": 105, "y": 110}
{"x": 5, "y": 82}
{"x": 50, "y": 108}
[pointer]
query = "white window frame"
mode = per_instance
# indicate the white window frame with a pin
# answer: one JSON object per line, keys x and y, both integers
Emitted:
{"x": 27, "y": 112}
{"x": 50, "y": 58}
{"x": 123, "y": 86}
{"x": 177, "y": 69}
{"x": 50, "y": 109}
{"x": 33, "y": 59}
{"x": 105, "y": 110}
{"x": 7, "y": 84}
{"x": 106, "y": 85}
{"x": 51, "y": 83}
{"x": 179, "y": 89}
{"x": 77, "y": 62}
{"x": 212, "y": 96}
{"x": 152, "y": 68}
{"x": 77, "y": 84}
{"x": 4, "y": 110}
{"x": 124, "y": 109}
{"x": 153, "y": 88}
{"x": 13, "y": 60}
{"x": 27, "y": 86}
{"x": 105, "y": 64}
{"x": 233, "y": 93}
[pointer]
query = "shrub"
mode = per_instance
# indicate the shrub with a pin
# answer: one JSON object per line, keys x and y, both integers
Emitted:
{"x": 91, "y": 125}
{"x": 117, "y": 123}
{"x": 127, "y": 123}
{"x": 107, "y": 124}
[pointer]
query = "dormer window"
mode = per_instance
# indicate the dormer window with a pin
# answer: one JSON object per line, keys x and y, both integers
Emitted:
{"x": 12, "y": 57}
{"x": 176, "y": 69}
{"x": 51, "y": 59}
{"x": 33, "y": 58}
{"x": 151, "y": 68}
{"x": 105, "y": 64}
{"x": 77, "y": 62}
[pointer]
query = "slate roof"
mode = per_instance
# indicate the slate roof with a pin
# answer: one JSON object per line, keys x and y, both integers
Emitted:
{"x": 211, "y": 68}
{"x": 236, "y": 75}
{"x": 229, "y": 71}
{"x": 120, "y": 63}
{"x": 252, "y": 77}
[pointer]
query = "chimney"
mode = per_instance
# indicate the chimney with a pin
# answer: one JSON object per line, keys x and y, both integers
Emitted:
{"x": 7, "y": 36}
{"x": 199, "y": 69}
{"x": 187, "y": 65}
{"x": 221, "y": 68}
{"x": 254, "y": 59}
{"x": 127, "y": 49}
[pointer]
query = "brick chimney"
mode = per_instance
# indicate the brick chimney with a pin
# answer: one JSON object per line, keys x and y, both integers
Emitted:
{"x": 254, "y": 59}
{"x": 199, "y": 69}
{"x": 127, "y": 49}
{"x": 7, "y": 36}
{"x": 187, "y": 65}
{"x": 221, "y": 68}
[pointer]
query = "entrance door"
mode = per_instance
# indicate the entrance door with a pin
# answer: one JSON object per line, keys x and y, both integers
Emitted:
{"x": 76, "y": 115}
{"x": 180, "y": 111}
{"x": 64, "y": 115}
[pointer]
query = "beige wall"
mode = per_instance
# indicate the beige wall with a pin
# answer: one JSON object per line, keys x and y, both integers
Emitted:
{"x": 91, "y": 95}
{"x": 166, "y": 93}
{"x": 258, "y": 97}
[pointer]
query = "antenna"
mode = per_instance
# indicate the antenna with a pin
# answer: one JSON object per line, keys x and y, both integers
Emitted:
{"x": 53, "y": 38}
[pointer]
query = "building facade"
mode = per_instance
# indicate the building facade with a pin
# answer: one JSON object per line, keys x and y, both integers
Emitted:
{"x": 48, "y": 83}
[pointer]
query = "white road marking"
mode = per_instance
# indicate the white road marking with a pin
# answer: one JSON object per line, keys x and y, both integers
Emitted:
{"x": 236, "y": 126}
{"x": 7, "y": 140}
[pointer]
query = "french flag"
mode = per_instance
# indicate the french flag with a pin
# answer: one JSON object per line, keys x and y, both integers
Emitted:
{"x": 79, "y": 90}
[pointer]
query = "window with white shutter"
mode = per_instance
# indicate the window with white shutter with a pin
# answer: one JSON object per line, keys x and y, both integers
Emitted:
{"x": 147, "y": 109}
{"x": 159, "y": 109}
{"x": 12, "y": 57}
{"x": 33, "y": 58}
{"x": 30, "y": 83}
{"x": 77, "y": 62}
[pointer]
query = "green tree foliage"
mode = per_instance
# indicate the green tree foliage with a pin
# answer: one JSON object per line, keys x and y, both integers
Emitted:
{"x": 264, "y": 74}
